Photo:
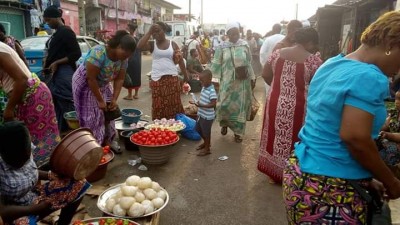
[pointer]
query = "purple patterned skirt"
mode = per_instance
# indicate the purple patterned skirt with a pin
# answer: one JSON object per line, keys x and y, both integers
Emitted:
{"x": 87, "y": 108}
{"x": 314, "y": 199}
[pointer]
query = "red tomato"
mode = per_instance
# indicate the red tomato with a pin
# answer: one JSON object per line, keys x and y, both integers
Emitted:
{"x": 167, "y": 139}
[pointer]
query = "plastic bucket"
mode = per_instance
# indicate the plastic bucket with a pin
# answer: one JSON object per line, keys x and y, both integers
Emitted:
{"x": 126, "y": 118}
{"x": 77, "y": 155}
{"x": 125, "y": 136}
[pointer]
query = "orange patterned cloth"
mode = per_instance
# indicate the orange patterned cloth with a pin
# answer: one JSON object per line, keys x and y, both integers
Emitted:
{"x": 166, "y": 96}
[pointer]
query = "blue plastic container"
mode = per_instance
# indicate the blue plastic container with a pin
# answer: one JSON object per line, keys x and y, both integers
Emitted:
{"x": 126, "y": 118}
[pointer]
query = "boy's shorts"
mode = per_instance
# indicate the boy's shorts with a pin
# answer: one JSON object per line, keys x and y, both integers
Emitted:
{"x": 203, "y": 126}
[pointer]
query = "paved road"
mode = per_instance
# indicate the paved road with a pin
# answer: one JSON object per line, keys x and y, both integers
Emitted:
{"x": 204, "y": 190}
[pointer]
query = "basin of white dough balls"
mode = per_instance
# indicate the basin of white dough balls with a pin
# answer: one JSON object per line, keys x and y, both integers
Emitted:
{"x": 136, "y": 197}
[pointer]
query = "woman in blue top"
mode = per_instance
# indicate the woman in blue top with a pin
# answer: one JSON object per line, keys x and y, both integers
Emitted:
{"x": 345, "y": 111}
{"x": 92, "y": 87}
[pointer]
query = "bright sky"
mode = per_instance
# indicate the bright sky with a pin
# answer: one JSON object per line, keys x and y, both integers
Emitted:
{"x": 258, "y": 15}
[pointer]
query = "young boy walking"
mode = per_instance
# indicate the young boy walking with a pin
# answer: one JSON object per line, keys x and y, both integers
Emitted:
{"x": 206, "y": 111}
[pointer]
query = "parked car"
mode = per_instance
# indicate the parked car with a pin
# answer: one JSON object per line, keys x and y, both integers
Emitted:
{"x": 34, "y": 48}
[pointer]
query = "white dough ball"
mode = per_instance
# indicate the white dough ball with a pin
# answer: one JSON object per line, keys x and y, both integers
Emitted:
{"x": 148, "y": 208}
{"x": 150, "y": 193}
{"x": 147, "y": 202}
{"x": 126, "y": 202}
{"x": 157, "y": 202}
{"x": 155, "y": 186}
{"x": 118, "y": 211}
{"x": 132, "y": 180}
{"x": 129, "y": 190}
{"x": 136, "y": 210}
{"x": 145, "y": 182}
{"x": 140, "y": 197}
{"x": 110, "y": 203}
{"x": 161, "y": 194}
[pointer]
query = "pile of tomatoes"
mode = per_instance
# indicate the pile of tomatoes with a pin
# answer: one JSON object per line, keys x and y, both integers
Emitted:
{"x": 154, "y": 137}
{"x": 106, "y": 150}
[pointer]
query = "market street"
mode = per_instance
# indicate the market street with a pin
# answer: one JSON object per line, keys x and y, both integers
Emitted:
{"x": 205, "y": 190}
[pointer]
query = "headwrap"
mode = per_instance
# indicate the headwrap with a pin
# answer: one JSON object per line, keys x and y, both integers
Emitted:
{"x": 232, "y": 25}
{"x": 52, "y": 12}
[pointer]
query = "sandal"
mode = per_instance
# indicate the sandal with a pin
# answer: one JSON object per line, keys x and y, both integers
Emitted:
{"x": 224, "y": 130}
{"x": 203, "y": 153}
{"x": 238, "y": 138}
{"x": 200, "y": 147}
{"x": 127, "y": 98}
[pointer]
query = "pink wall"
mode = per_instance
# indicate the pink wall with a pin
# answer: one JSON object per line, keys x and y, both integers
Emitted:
{"x": 71, "y": 16}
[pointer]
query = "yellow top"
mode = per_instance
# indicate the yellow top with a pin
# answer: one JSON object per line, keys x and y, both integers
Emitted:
{"x": 42, "y": 33}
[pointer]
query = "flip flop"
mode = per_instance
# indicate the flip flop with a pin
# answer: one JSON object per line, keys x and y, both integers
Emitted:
{"x": 224, "y": 130}
{"x": 200, "y": 147}
{"x": 203, "y": 153}
{"x": 238, "y": 139}
{"x": 127, "y": 98}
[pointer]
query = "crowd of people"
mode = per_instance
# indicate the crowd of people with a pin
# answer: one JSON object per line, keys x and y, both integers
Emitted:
{"x": 320, "y": 120}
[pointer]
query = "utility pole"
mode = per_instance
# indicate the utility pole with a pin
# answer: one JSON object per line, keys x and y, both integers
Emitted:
{"x": 297, "y": 10}
{"x": 201, "y": 14}
{"x": 82, "y": 18}
{"x": 116, "y": 14}
{"x": 190, "y": 10}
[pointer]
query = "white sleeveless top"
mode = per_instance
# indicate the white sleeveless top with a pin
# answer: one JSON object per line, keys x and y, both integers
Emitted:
{"x": 6, "y": 81}
{"x": 163, "y": 63}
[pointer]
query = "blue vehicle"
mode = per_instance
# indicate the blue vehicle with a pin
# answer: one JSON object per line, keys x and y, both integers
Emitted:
{"x": 34, "y": 48}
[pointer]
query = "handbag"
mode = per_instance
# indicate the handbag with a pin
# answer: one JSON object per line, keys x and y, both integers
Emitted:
{"x": 241, "y": 72}
{"x": 255, "y": 105}
{"x": 378, "y": 210}
{"x": 112, "y": 115}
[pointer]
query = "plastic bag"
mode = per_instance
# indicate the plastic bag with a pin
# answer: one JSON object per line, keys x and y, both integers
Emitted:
{"x": 190, "y": 131}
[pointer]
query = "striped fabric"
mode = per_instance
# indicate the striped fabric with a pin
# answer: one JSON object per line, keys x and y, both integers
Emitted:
{"x": 207, "y": 94}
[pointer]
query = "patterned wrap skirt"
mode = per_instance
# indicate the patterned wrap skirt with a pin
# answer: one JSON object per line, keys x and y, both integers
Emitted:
{"x": 314, "y": 199}
{"x": 59, "y": 192}
{"x": 87, "y": 108}
{"x": 166, "y": 97}
{"x": 38, "y": 114}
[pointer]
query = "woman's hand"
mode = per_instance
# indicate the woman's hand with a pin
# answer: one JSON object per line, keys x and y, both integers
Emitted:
{"x": 42, "y": 208}
{"x": 112, "y": 106}
{"x": 8, "y": 115}
{"x": 393, "y": 189}
{"x": 377, "y": 186}
{"x": 103, "y": 105}
{"x": 53, "y": 67}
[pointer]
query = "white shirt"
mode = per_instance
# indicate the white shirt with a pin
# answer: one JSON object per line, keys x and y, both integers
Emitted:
{"x": 269, "y": 45}
{"x": 5, "y": 80}
{"x": 163, "y": 63}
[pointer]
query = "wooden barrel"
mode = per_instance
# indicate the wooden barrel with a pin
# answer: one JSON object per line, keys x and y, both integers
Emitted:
{"x": 77, "y": 155}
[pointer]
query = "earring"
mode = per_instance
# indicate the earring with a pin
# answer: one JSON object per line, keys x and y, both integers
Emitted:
{"x": 388, "y": 53}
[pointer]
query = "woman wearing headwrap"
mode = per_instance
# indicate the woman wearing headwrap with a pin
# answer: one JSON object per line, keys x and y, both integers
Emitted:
{"x": 62, "y": 53}
{"x": 232, "y": 65}
{"x": 165, "y": 85}
{"x": 24, "y": 198}
{"x": 29, "y": 100}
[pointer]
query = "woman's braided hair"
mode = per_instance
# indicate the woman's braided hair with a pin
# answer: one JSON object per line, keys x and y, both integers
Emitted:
{"x": 384, "y": 31}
